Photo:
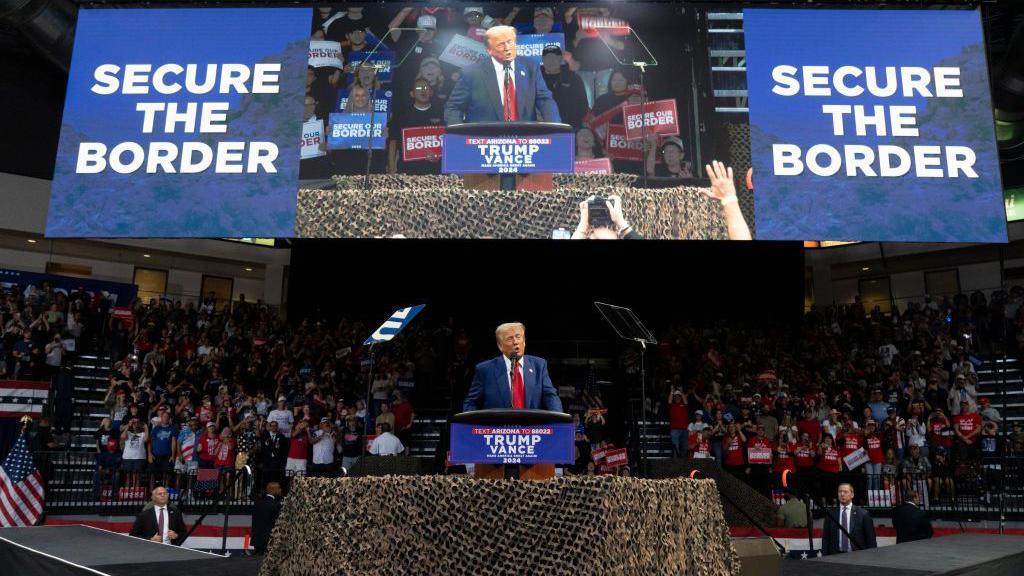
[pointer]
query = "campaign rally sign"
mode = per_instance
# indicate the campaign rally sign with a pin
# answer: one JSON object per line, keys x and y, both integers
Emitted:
{"x": 532, "y": 45}
{"x": 421, "y": 143}
{"x": 381, "y": 101}
{"x": 616, "y": 145}
{"x": 462, "y": 154}
{"x": 171, "y": 134}
{"x": 325, "y": 54}
{"x": 463, "y": 52}
{"x": 383, "y": 59}
{"x": 858, "y": 457}
{"x": 545, "y": 444}
{"x": 312, "y": 137}
{"x": 351, "y": 131}
{"x": 660, "y": 117}
{"x": 593, "y": 25}
{"x": 594, "y": 166}
{"x": 882, "y": 132}
{"x": 616, "y": 457}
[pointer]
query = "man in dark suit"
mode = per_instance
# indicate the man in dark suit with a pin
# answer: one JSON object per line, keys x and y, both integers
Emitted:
{"x": 264, "y": 516}
{"x": 512, "y": 380}
{"x": 160, "y": 523}
{"x": 910, "y": 521}
{"x": 273, "y": 449}
{"x": 502, "y": 87}
{"x": 854, "y": 519}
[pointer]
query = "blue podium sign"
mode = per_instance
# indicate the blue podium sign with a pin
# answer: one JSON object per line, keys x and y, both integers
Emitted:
{"x": 461, "y": 154}
{"x": 541, "y": 444}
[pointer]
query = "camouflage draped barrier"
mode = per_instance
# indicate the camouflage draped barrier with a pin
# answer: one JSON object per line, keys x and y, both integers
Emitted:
{"x": 430, "y": 525}
{"x": 439, "y": 207}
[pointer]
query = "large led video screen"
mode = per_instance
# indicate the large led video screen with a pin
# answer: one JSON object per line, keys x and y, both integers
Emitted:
{"x": 505, "y": 120}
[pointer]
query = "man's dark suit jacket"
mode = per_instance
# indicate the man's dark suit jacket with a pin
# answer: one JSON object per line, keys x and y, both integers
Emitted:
{"x": 477, "y": 98}
{"x": 264, "y": 516}
{"x": 145, "y": 524}
{"x": 911, "y": 523}
{"x": 862, "y": 528}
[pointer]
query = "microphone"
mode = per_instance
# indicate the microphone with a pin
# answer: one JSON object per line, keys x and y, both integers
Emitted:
{"x": 514, "y": 357}
{"x": 507, "y": 66}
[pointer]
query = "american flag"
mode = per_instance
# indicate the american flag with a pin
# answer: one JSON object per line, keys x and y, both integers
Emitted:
{"x": 21, "y": 487}
{"x": 20, "y": 398}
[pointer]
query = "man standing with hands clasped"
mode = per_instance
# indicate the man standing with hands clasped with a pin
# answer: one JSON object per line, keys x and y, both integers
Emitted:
{"x": 160, "y": 523}
{"x": 854, "y": 519}
{"x": 512, "y": 380}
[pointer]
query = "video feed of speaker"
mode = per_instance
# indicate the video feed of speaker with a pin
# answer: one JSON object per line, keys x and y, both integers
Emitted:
{"x": 512, "y": 120}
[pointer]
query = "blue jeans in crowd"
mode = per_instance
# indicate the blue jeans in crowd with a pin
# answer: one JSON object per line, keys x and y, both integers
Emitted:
{"x": 679, "y": 442}
{"x": 874, "y": 472}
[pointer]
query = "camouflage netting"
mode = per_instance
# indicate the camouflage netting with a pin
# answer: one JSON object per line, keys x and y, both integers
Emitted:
{"x": 439, "y": 207}
{"x": 458, "y": 525}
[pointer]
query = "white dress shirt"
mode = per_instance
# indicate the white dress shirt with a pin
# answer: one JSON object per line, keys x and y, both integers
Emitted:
{"x": 508, "y": 373}
{"x": 167, "y": 522}
{"x": 848, "y": 508}
{"x": 499, "y": 71}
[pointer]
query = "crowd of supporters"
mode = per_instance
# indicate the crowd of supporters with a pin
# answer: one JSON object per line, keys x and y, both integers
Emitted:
{"x": 584, "y": 75}
{"x": 900, "y": 386}
{"x": 220, "y": 386}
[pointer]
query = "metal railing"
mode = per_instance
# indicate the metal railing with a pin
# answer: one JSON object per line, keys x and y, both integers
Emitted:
{"x": 82, "y": 483}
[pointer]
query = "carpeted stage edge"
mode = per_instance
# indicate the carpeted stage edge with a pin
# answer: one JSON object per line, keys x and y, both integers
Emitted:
{"x": 458, "y": 525}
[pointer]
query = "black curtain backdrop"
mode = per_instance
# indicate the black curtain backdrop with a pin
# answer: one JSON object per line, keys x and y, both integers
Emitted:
{"x": 550, "y": 285}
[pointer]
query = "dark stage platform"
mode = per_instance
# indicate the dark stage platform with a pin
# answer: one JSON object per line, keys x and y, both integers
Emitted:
{"x": 80, "y": 550}
{"x": 959, "y": 555}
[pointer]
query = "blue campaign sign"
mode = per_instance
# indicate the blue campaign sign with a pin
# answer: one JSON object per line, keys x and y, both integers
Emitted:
{"x": 173, "y": 127}
{"x": 350, "y": 131}
{"x": 381, "y": 58}
{"x": 393, "y": 325}
{"x": 544, "y": 444}
{"x": 872, "y": 125}
{"x": 462, "y": 154}
{"x": 382, "y": 101}
{"x": 532, "y": 45}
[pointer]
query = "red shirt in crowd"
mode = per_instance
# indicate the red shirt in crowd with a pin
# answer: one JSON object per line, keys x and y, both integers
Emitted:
{"x": 403, "y": 415}
{"x": 830, "y": 461}
{"x": 679, "y": 417}
{"x": 874, "y": 449}
{"x": 812, "y": 427}
{"x": 936, "y": 427}
{"x": 784, "y": 457}
{"x": 804, "y": 456}
{"x": 759, "y": 450}
{"x": 702, "y": 447}
{"x": 225, "y": 455}
{"x": 208, "y": 446}
{"x": 733, "y": 450}
{"x": 849, "y": 444}
{"x": 966, "y": 424}
{"x": 299, "y": 446}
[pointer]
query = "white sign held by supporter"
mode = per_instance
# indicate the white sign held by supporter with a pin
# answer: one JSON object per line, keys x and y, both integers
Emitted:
{"x": 858, "y": 457}
{"x": 463, "y": 52}
{"x": 312, "y": 137}
{"x": 325, "y": 54}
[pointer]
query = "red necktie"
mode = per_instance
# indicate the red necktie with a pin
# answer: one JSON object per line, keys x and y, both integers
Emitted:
{"x": 160, "y": 523}
{"x": 510, "y": 97}
{"x": 518, "y": 390}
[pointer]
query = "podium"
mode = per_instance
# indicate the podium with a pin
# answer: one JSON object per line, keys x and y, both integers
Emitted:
{"x": 508, "y": 155}
{"x": 509, "y": 443}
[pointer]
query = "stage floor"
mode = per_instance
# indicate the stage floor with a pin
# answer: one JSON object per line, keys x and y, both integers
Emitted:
{"x": 85, "y": 550}
{"x": 961, "y": 554}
